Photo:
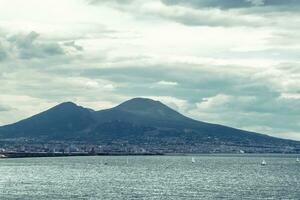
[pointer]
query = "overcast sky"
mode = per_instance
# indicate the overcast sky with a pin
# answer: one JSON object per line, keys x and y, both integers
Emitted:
{"x": 233, "y": 62}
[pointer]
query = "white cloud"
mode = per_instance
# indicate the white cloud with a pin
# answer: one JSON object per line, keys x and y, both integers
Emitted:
{"x": 290, "y": 96}
{"x": 22, "y": 106}
{"x": 180, "y": 105}
{"x": 167, "y": 83}
{"x": 92, "y": 84}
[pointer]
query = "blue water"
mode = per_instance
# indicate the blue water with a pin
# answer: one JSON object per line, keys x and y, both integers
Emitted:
{"x": 150, "y": 177}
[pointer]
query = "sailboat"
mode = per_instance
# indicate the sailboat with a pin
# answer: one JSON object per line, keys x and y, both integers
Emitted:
{"x": 127, "y": 162}
{"x": 297, "y": 159}
{"x": 263, "y": 162}
{"x": 193, "y": 160}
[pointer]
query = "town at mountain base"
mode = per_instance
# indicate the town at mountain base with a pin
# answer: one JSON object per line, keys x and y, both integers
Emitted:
{"x": 138, "y": 125}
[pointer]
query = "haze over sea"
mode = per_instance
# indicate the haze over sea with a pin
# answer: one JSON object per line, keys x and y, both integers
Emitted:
{"x": 151, "y": 177}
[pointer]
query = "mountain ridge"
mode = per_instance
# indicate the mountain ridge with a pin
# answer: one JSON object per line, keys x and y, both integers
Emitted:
{"x": 137, "y": 121}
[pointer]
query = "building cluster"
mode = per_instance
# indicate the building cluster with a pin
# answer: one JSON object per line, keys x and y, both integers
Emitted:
{"x": 123, "y": 147}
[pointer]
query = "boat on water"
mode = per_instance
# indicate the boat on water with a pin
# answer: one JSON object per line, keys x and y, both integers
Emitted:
{"x": 193, "y": 160}
{"x": 263, "y": 163}
{"x": 297, "y": 159}
{"x": 3, "y": 156}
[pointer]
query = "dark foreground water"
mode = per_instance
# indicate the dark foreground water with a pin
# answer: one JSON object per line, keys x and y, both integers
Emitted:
{"x": 150, "y": 177}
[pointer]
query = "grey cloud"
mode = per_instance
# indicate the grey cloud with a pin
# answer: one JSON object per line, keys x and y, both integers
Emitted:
{"x": 209, "y": 18}
{"x": 211, "y": 3}
{"x": 215, "y": 13}
{"x": 222, "y": 4}
{"x": 75, "y": 46}
{"x": 188, "y": 13}
{"x": 24, "y": 41}
{"x": 251, "y": 102}
{"x": 233, "y": 4}
{"x": 32, "y": 46}
{"x": 201, "y": 82}
{"x": 247, "y": 13}
{"x": 3, "y": 53}
{"x": 28, "y": 46}
{"x": 256, "y": 2}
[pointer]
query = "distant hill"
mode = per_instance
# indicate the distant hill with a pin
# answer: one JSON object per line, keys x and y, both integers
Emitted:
{"x": 142, "y": 122}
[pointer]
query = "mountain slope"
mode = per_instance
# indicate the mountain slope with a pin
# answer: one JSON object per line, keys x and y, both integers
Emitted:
{"x": 159, "y": 121}
{"x": 138, "y": 121}
{"x": 63, "y": 119}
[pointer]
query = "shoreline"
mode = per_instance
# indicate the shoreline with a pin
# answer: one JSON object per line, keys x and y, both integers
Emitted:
{"x": 7, "y": 155}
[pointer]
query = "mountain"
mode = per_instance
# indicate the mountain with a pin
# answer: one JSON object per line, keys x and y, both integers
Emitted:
{"x": 64, "y": 119}
{"x": 142, "y": 122}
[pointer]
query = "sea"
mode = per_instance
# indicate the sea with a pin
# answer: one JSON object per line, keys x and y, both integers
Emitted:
{"x": 151, "y": 177}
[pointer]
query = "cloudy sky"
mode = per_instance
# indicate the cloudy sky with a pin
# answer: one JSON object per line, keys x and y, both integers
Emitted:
{"x": 233, "y": 62}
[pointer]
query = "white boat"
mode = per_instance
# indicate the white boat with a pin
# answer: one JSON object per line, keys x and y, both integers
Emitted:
{"x": 2, "y": 156}
{"x": 297, "y": 159}
{"x": 263, "y": 162}
{"x": 193, "y": 160}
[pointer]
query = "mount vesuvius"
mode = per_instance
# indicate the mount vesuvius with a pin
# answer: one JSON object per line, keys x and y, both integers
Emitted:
{"x": 141, "y": 122}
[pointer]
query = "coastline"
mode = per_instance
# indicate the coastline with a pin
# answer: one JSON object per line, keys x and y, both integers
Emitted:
{"x": 8, "y": 155}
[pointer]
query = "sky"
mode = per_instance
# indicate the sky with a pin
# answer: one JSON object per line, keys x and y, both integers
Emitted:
{"x": 231, "y": 62}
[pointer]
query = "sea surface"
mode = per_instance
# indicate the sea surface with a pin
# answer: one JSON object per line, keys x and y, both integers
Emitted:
{"x": 151, "y": 177}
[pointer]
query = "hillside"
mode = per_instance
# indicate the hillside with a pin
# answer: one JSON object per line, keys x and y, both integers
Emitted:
{"x": 139, "y": 121}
